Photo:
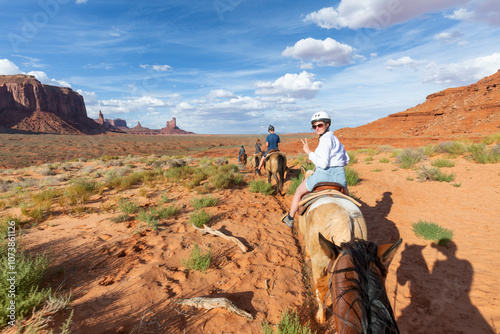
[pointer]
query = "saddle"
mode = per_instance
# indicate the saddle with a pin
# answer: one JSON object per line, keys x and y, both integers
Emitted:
{"x": 271, "y": 152}
{"x": 321, "y": 190}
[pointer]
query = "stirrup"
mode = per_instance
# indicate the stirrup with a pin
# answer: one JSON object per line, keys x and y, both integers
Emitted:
{"x": 287, "y": 221}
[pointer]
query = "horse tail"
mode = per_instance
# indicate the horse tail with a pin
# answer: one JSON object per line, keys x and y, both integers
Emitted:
{"x": 281, "y": 170}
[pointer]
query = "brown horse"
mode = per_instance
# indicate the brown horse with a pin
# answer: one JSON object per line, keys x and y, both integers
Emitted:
{"x": 358, "y": 270}
{"x": 338, "y": 218}
{"x": 276, "y": 166}
{"x": 255, "y": 159}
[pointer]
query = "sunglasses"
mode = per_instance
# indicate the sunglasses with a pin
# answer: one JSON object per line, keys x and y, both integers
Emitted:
{"x": 319, "y": 126}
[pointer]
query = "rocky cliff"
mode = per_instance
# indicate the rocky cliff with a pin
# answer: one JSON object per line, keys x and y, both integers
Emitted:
{"x": 28, "y": 105}
{"x": 467, "y": 111}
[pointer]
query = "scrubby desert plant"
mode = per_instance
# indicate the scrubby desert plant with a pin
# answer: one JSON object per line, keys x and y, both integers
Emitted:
{"x": 80, "y": 191}
{"x": 128, "y": 206}
{"x": 260, "y": 186}
{"x": 443, "y": 162}
{"x": 432, "y": 231}
{"x": 203, "y": 202}
{"x": 198, "y": 260}
{"x": 409, "y": 158}
{"x": 289, "y": 324}
{"x": 199, "y": 218}
{"x": 150, "y": 217}
{"x": 454, "y": 148}
{"x": 480, "y": 154}
{"x": 433, "y": 174}
{"x": 352, "y": 176}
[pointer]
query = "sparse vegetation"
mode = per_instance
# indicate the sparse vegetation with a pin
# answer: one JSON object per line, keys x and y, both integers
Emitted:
{"x": 128, "y": 206}
{"x": 203, "y": 202}
{"x": 432, "y": 231}
{"x": 434, "y": 174}
{"x": 200, "y": 218}
{"x": 260, "y": 186}
{"x": 480, "y": 154}
{"x": 352, "y": 176}
{"x": 409, "y": 158}
{"x": 198, "y": 260}
{"x": 289, "y": 324}
{"x": 443, "y": 163}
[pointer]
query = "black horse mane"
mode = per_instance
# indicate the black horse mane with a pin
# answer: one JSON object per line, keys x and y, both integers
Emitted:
{"x": 376, "y": 311}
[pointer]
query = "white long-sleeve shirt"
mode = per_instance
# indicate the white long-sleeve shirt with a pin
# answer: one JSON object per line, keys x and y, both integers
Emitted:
{"x": 329, "y": 153}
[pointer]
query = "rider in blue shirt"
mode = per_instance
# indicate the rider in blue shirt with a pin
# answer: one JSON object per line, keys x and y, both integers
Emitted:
{"x": 272, "y": 143}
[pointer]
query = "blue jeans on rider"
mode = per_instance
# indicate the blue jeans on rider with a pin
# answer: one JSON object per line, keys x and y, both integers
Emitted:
{"x": 330, "y": 174}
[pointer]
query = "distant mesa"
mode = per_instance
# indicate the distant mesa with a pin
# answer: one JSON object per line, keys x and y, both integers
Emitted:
{"x": 28, "y": 105}
{"x": 170, "y": 129}
{"x": 469, "y": 111}
{"x": 116, "y": 124}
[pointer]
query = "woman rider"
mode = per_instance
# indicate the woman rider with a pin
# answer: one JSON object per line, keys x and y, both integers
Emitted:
{"x": 330, "y": 158}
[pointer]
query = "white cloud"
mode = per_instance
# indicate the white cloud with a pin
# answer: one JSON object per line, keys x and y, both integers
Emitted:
{"x": 464, "y": 72}
{"x": 90, "y": 98}
{"x": 43, "y": 78}
{"x": 357, "y": 14}
{"x": 291, "y": 85}
{"x": 220, "y": 94}
{"x": 78, "y": 2}
{"x": 403, "y": 61}
{"x": 116, "y": 106}
{"x": 328, "y": 52}
{"x": 306, "y": 66}
{"x": 460, "y": 14}
{"x": 158, "y": 68}
{"x": 8, "y": 68}
{"x": 487, "y": 11}
{"x": 450, "y": 38}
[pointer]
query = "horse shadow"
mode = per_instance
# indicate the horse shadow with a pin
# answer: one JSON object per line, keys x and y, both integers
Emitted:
{"x": 379, "y": 228}
{"x": 440, "y": 301}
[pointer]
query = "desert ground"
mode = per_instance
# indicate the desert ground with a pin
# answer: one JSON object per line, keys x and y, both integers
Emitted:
{"x": 125, "y": 277}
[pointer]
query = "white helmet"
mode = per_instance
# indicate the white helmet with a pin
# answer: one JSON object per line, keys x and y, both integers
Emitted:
{"x": 321, "y": 116}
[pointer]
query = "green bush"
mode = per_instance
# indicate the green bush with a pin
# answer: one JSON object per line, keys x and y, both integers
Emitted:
{"x": 443, "y": 163}
{"x": 29, "y": 273}
{"x": 384, "y": 160}
{"x": 166, "y": 212}
{"x": 289, "y": 324}
{"x": 260, "y": 186}
{"x": 434, "y": 174}
{"x": 150, "y": 217}
{"x": 409, "y": 158}
{"x": 80, "y": 191}
{"x": 352, "y": 176}
{"x": 198, "y": 260}
{"x": 203, "y": 202}
{"x": 200, "y": 218}
{"x": 128, "y": 206}
{"x": 352, "y": 158}
{"x": 432, "y": 231}
{"x": 454, "y": 148}
{"x": 480, "y": 154}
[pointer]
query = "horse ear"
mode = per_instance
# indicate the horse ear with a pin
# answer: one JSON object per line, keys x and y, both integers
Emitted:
{"x": 386, "y": 252}
{"x": 330, "y": 249}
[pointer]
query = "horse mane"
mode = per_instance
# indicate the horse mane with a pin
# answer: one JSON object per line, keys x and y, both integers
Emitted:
{"x": 376, "y": 311}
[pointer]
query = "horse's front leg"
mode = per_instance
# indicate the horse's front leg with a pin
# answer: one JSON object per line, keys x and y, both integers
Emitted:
{"x": 268, "y": 176}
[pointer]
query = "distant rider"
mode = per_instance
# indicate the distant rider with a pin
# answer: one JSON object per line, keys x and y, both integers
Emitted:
{"x": 272, "y": 143}
{"x": 242, "y": 152}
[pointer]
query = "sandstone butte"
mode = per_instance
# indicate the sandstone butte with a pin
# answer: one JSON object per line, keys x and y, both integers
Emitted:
{"x": 28, "y": 105}
{"x": 464, "y": 112}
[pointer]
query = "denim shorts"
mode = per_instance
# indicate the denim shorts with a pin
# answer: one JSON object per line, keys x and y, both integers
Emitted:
{"x": 330, "y": 174}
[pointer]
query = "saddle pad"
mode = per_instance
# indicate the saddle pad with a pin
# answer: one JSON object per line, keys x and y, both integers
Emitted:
{"x": 310, "y": 198}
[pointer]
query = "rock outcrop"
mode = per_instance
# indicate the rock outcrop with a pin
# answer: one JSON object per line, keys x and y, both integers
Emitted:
{"x": 28, "y": 105}
{"x": 467, "y": 111}
{"x": 117, "y": 124}
{"x": 172, "y": 129}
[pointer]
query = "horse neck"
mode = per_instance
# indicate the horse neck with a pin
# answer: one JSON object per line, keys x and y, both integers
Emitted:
{"x": 361, "y": 304}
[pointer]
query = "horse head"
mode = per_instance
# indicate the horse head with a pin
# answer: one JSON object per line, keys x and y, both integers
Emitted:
{"x": 357, "y": 273}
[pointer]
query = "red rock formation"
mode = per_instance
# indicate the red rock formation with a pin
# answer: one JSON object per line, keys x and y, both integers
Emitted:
{"x": 172, "y": 128}
{"x": 28, "y": 105}
{"x": 467, "y": 111}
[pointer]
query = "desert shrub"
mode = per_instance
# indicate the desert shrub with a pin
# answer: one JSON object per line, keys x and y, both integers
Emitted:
{"x": 433, "y": 174}
{"x": 352, "y": 176}
{"x": 200, "y": 218}
{"x": 37, "y": 212}
{"x": 443, "y": 162}
{"x": 128, "y": 206}
{"x": 150, "y": 217}
{"x": 80, "y": 191}
{"x": 260, "y": 186}
{"x": 385, "y": 148}
{"x": 175, "y": 163}
{"x": 352, "y": 157}
{"x": 46, "y": 195}
{"x": 29, "y": 273}
{"x": 221, "y": 161}
{"x": 176, "y": 174}
{"x": 454, "y": 148}
{"x": 164, "y": 198}
{"x": 198, "y": 260}
{"x": 409, "y": 158}
{"x": 166, "y": 212}
{"x": 384, "y": 160}
{"x": 479, "y": 153}
{"x": 203, "y": 202}
{"x": 295, "y": 182}
{"x": 369, "y": 158}
{"x": 491, "y": 139}
{"x": 198, "y": 177}
{"x": 46, "y": 171}
{"x": 432, "y": 231}
{"x": 289, "y": 324}
{"x": 429, "y": 150}
{"x": 223, "y": 177}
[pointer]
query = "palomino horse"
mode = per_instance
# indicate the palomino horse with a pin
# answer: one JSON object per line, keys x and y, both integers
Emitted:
{"x": 357, "y": 286}
{"x": 276, "y": 166}
{"x": 339, "y": 218}
{"x": 255, "y": 159}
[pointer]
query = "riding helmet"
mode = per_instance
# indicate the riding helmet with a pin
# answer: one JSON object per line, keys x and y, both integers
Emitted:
{"x": 321, "y": 116}
{"x": 270, "y": 128}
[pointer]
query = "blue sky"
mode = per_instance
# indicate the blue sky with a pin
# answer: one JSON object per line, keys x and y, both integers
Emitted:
{"x": 236, "y": 66}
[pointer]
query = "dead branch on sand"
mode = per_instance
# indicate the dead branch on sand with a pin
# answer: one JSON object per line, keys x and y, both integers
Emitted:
{"x": 210, "y": 303}
{"x": 207, "y": 229}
